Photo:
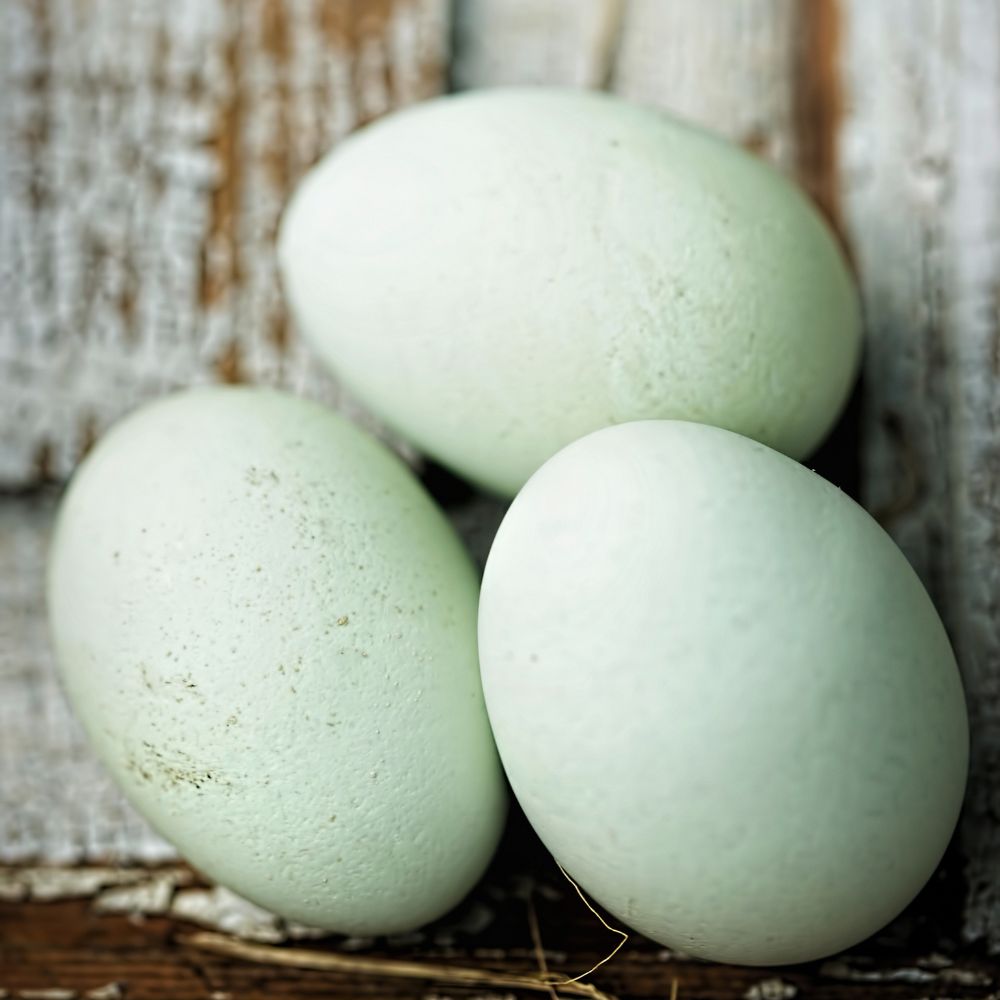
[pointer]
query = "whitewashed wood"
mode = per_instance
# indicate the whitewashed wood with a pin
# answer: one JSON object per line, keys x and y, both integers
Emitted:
{"x": 526, "y": 42}
{"x": 147, "y": 151}
{"x": 921, "y": 151}
{"x": 896, "y": 144}
{"x": 56, "y": 802}
{"x": 906, "y": 149}
{"x": 974, "y": 312}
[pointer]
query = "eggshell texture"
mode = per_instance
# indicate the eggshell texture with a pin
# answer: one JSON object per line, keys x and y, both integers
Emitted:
{"x": 721, "y": 694}
{"x": 500, "y": 273}
{"x": 268, "y": 631}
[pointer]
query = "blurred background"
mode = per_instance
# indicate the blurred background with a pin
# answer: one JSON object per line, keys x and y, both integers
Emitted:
{"x": 146, "y": 151}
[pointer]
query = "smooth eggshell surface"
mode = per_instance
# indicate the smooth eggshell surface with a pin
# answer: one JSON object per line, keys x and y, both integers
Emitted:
{"x": 269, "y": 633}
{"x": 721, "y": 694}
{"x": 499, "y": 273}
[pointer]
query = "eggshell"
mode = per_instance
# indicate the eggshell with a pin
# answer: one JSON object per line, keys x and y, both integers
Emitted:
{"x": 268, "y": 631}
{"x": 499, "y": 273}
{"x": 721, "y": 694}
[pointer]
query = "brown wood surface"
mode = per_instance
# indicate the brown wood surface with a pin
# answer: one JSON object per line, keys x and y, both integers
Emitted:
{"x": 65, "y": 945}
{"x": 60, "y": 946}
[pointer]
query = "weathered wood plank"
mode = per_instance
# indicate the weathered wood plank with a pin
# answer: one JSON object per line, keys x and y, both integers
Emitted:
{"x": 975, "y": 372}
{"x": 921, "y": 163}
{"x": 147, "y": 152}
{"x": 65, "y": 946}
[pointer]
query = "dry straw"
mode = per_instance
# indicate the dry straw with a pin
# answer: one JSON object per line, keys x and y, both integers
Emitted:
{"x": 358, "y": 965}
{"x": 543, "y": 981}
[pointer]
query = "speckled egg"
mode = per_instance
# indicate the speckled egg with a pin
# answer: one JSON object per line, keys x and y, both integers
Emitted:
{"x": 721, "y": 694}
{"x": 269, "y": 632}
{"x": 499, "y": 273}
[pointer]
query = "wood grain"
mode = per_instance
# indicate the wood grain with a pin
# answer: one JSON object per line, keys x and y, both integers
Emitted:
{"x": 147, "y": 151}
{"x": 921, "y": 190}
{"x": 65, "y": 944}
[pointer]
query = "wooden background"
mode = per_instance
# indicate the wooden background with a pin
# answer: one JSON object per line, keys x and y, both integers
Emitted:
{"x": 146, "y": 150}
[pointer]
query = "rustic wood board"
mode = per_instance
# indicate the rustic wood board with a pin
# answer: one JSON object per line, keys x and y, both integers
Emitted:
{"x": 530, "y": 42}
{"x": 146, "y": 152}
{"x": 65, "y": 944}
{"x": 920, "y": 159}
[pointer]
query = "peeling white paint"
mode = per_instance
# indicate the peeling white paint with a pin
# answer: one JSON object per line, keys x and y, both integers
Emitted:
{"x": 772, "y": 989}
{"x": 150, "y": 898}
{"x": 47, "y": 883}
{"x": 222, "y": 910}
{"x": 122, "y": 275}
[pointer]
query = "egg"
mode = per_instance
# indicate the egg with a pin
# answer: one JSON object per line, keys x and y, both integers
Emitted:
{"x": 721, "y": 694}
{"x": 268, "y": 631}
{"x": 499, "y": 273}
